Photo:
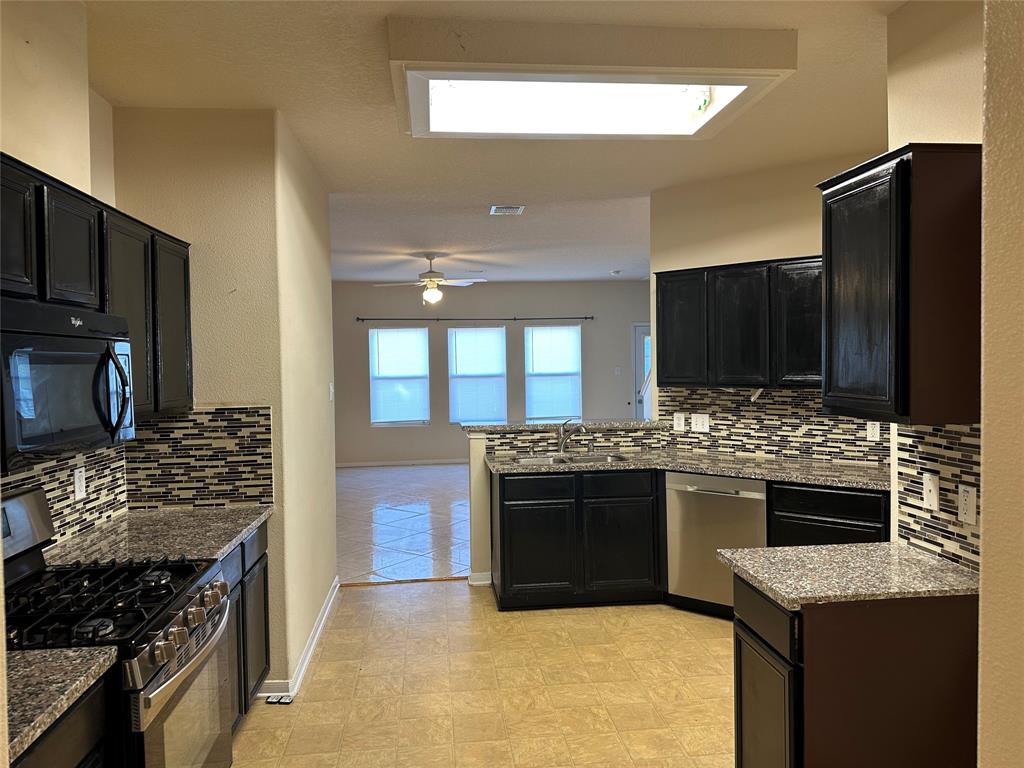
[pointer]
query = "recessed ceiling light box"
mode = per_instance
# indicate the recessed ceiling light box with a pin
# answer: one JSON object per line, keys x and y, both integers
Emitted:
{"x": 485, "y": 79}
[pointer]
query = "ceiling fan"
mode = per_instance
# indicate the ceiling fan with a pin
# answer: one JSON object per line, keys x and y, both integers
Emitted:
{"x": 432, "y": 280}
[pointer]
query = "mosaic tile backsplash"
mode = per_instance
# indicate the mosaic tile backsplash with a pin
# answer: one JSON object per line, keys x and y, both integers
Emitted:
{"x": 104, "y": 480}
{"x": 206, "y": 457}
{"x": 594, "y": 439}
{"x": 780, "y": 423}
{"x": 952, "y": 452}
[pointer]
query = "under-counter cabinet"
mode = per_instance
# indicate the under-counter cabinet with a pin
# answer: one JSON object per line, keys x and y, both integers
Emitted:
{"x": 744, "y": 325}
{"x": 577, "y": 538}
{"x": 801, "y": 514}
{"x": 78, "y": 738}
{"x": 902, "y": 286}
{"x": 822, "y": 688}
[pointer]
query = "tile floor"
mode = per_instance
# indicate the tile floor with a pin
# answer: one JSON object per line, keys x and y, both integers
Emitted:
{"x": 431, "y": 674}
{"x": 402, "y": 523}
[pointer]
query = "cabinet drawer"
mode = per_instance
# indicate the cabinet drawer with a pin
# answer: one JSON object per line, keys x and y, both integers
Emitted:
{"x": 869, "y": 506}
{"x": 773, "y": 623}
{"x": 539, "y": 487}
{"x": 617, "y": 484}
{"x": 254, "y": 547}
{"x": 789, "y": 530}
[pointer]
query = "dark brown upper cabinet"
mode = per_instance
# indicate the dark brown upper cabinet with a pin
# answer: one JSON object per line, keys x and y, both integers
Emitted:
{"x": 173, "y": 325}
{"x": 738, "y": 326}
{"x": 681, "y": 325}
{"x": 746, "y": 325}
{"x": 796, "y": 323}
{"x": 71, "y": 249}
{"x": 902, "y": 286}
{"x": 18, "y": 255}
{"x": 128, "y": 247}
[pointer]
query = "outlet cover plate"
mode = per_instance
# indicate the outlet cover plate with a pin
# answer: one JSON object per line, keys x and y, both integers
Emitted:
{"x": 874, "y": 431}
{"x": 79, "y": 483}
{"x": 679, "y": 422}
{"x": 967, "y": 504}
{"x": 931, "y": 491}
{"x": 700, "y": 422}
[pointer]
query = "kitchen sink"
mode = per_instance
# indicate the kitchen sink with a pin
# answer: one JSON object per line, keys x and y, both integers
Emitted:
{"x": 537, "y": 461}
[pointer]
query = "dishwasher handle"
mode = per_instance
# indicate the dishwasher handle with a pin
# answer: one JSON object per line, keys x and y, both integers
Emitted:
{"x": 735, "y": 494}
{"x": 691, "y": 484}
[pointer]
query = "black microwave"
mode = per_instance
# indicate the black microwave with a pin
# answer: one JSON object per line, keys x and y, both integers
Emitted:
{"x": 66, "y": 381}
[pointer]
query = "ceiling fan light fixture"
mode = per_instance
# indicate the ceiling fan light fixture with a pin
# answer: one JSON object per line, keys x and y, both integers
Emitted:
{"x": 432, "y": 294}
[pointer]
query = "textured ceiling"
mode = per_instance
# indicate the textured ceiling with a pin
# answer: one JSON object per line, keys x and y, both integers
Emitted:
{"x": 325, "y": 65}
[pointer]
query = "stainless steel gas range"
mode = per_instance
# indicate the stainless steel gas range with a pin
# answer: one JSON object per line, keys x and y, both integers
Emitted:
{"x": 168, "y": 618}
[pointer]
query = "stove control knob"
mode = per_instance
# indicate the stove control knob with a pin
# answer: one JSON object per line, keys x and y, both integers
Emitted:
{"x": 220, "y": 586}
{"x": 164, "y": 651}
{"x": 211, "y": 598}
{"x": 178, "y": 636}
{"x": 196, "y": 616}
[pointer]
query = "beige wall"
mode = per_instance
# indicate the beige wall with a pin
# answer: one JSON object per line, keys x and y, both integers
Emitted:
{"x": 44, "y": 88}
{"x": 935, "y": 72}
{"x": 307, "y": 413}
{"x": 607, "y": 346}
{"x": 1001, "y": 706}
{"x": 101, "y": 148}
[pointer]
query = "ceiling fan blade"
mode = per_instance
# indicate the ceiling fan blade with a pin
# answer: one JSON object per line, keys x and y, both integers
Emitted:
{"x": 395, "y": 285}
{"x": 462, "y": 282}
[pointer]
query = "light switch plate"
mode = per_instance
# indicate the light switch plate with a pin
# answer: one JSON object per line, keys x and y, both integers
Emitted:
{"x": 967, "y": 504}
{"x": 79, "y": 483}
{"x": 931, "y": 491}
{"x": 874, "y": 431}
{"x": 700, "y": 422}
{"x": 679, "y": 422}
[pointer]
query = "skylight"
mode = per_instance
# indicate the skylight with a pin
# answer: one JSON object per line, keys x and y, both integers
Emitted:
{"x": 561, "y": 108}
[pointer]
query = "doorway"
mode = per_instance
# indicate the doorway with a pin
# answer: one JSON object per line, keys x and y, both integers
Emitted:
{"x": 641, "y": 368}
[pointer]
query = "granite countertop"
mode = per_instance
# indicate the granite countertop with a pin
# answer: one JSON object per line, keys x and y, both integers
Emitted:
{"x": 192, "y": 532}
{"x": 41, "y": 685}
{"x": 793, "y": 470}
{"x": 835, "y": 573}
{"x": 594, "y": 425}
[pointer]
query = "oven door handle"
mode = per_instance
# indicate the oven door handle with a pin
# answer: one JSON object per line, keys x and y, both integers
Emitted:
{"x": 122, "y": 412}
{"x": 149, "y": 705}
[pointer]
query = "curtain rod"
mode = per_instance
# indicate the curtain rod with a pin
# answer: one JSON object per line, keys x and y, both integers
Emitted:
{"x": 463, "y": 319}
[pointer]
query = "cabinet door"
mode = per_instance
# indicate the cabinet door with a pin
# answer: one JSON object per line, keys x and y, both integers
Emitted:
{"x": 539, "y": 546}
{"x": 620, "y": 545}
{"x": 129, "y": 293}
{"x": 236, "y": 656}
{"x": 788, "y": 530}
{"x": 173, "y": 326}
{"x": 72, "y": 249}
{"x": 766, "y": 704}
{"x": 255, "y": 588}
{"x": 796, "y": 323}
{"x": 682, "y": 358}
{"x": 738, "y": 322}
{"x": 18, "y": 256}
{"x": 865, "y": 256}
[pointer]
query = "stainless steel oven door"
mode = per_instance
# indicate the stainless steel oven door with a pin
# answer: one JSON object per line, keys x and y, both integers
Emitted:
{"x": 185, "y": 718}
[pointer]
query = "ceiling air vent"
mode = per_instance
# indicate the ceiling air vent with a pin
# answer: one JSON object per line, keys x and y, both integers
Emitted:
{"x": 507, "y": 210}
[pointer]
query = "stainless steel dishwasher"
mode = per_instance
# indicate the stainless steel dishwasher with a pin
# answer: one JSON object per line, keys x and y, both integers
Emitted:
{"x": 706, "y": 513}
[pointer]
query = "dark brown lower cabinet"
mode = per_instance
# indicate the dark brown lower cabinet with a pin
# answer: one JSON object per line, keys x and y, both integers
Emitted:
{"x": 822, "y": 688}
{"x": 77, "y": 739}
{"x": 585, "y": 538}
{"x": 236, "y": 653}
{"x": 800, "y": 515}
{"x": 256, "y": 619}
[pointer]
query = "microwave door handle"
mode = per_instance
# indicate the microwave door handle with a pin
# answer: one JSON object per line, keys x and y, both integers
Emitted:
{"x": 122, "y": 412}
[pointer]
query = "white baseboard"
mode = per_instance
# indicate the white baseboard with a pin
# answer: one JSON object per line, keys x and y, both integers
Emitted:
{"x": 409, "y": 463}
{"x": 291, "y": 687}
{"x": 482, "y": 579}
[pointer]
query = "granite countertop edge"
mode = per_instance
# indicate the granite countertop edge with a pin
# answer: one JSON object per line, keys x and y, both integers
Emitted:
{"x": 848, "y": 583}
{"x": 809, "y": 472}
{"x": 263, "y": 513}
{"x": 58, "y": 678}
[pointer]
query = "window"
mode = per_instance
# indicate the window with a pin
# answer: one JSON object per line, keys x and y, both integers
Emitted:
{"x": 553, "y": 373}
{"x": 399, "y": 376}
{"x": 476, "y": 376}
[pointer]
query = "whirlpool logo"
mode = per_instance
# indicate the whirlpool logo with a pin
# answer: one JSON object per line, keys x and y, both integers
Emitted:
{"x": 76, "y": 322}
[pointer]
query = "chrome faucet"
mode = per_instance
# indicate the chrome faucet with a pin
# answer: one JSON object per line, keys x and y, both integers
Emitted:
{"x": 566, "y": 433}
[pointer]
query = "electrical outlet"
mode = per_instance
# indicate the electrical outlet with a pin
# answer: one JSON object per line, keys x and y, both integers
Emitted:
{"x": 79, "y": 483}
{"x": 700, "y": 422}
{"x": 931, "y": 491}
{"x": 874, "y": 431}
{"x": 679, "y": 422}
{"x": 967, "y": 504}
